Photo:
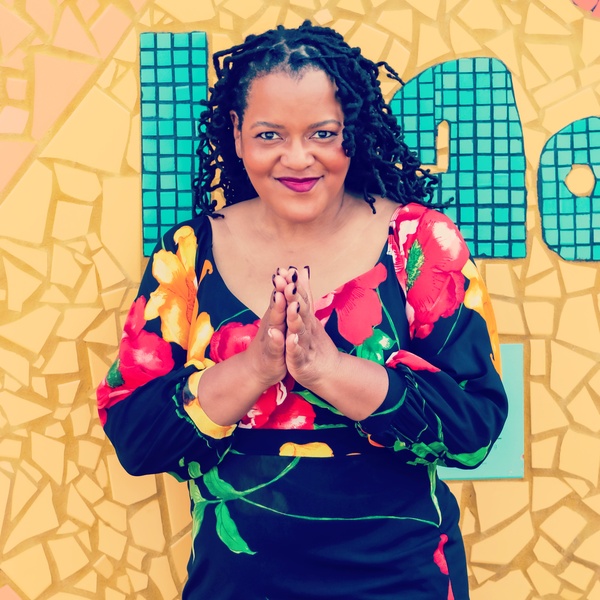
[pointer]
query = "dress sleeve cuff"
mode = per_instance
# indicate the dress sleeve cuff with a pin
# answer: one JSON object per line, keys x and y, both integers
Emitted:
{"x": 381, "y": 420}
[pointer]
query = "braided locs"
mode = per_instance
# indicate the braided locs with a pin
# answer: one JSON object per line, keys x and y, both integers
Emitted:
{"x": 381, "y": 162}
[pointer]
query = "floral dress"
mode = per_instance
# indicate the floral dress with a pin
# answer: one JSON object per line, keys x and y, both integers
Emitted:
{"x": 296, "y": 501}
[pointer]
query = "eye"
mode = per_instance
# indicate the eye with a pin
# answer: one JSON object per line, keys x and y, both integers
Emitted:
{"x": 268, "y": 135}
{"x": 323, "y": 134}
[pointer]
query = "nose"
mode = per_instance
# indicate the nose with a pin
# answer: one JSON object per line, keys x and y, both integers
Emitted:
{"x": 297, "y": 155}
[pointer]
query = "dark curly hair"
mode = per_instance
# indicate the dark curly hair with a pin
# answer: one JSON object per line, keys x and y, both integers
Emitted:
{"x": 381, "y": 163}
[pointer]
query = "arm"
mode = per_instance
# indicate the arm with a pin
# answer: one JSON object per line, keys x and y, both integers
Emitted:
{"x": 147, "y": 401}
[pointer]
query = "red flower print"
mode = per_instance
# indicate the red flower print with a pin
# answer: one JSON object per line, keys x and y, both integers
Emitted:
{"x": 232, "y": 339}
{"x": 357, "y": 305}
{"x": 416, "y": 363}
{"x": 280, "y": 408}
{"x": 440, "y": 560}
{"x": 143, "y": 356}
{"x": 277, "y": 407}
{"x": 428, "y": 258}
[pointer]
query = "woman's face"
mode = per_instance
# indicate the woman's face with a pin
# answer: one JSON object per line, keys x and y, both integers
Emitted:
{"x": 290, "y": 142}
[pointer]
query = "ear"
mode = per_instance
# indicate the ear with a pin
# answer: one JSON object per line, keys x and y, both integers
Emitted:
{"x": 237, "y": 132}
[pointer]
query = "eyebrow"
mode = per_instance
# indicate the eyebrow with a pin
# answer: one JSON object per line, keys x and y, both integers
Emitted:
{"x": 311, "y": 126}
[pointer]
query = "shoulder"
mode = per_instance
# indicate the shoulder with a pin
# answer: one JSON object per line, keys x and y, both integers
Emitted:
{"x": 194, "y": 231}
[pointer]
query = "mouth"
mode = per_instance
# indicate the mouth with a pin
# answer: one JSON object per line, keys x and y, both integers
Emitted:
{"x": 299, "y": 185}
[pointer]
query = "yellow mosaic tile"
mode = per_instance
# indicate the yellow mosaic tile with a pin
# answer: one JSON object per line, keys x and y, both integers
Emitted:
{"x": 498, "y": 501}
{"x": 514, "y": 586}
{"x": 398, "y": 21}
{"x": 68, "y": 556}
{"x": 543, "y": 580}
{"x": 580, "y": 106}
{"x": 188, "y": 12}
{"x": 18, "y": 569}
{"x": 502, "y": 547}
{"x": 563, "y": 526}
{"x": 589, "y": 45}
{"x": 543, "y": 453}
{"x": 547, "y": 491}
{"x": 127, "y": 489}
{"x": 566, "y": 374}
{"x": 482, "y": 14}
{"x": 160, "y": 574}
{"x": 110, "y": 542}
{"x": 546, "y": 553}
{"x": 577, "y": 575}
{"x": 177, "y": 499}
{"x": 431, "y": 45}
{"x": 580, "y": 456}
{"x": 539, "y": 317}
{"x": 146, "y": 527}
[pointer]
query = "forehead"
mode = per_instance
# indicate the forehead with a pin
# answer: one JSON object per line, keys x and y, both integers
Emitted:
{"x": 308, "y": 92}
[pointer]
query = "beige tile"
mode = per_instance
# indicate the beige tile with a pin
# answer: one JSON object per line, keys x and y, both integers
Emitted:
{"x": 18, "y": 410}
{"x": 65, "y": 270}
{"x": 187, "y": 12}
{"x": 432, "y": 47}
{"x": 108, "y": 29}
{"x": 71, "y": 35}
{"x": 498, "y": 501}
{"x": 18, "y": 568}
{"x": 49, "y": 455}
{"x": 21, "y": 285}
{"x": 10, "y": 448}
{"x": 147, "y": 527}
{"x": 546, "y": 553}
{"x": 539, "y": 259}
{"x": 32, "y": 330}
{"x": 595, "y": 592}
{"x": 135, "y": 557}
{"x": 139, "y": 581}
{"x": 543, "y": 453}
{"x": 399, "y": 21}
{"x": 126, "y": 89}
{"x": 108, "y": 271}
{"x": 514, "y": 585}
{"x": 124, "y": 584}
{"x": 504, "y": 47}
{"x": 39, "y": 518}
{"x": 110, "y": 542}
{"x": 509, "y": 317}
{"x": 88, "y": 454}
{"x": 67, "y": 392}
{"x": 547, "y": 491}
{"x": 539, "y": 317}
{"x": 555, "y": 91}
{"x": 577, "y": 575}
{"x": 75, "y": 322}
{"x": 35, "y": 258}
{"x": 63, "y": 360}
{"x": 23, "y": 490}
{"x": 594, "y": 503}
{"x": 461, "y": 40}
{"x": 68, "y": 556}
{"x": 589, "y": 45}
{"x": 113, "y": 514}
{"x": 244, "y": 9}
{"x": 77, "y": 508}
{"x": 569, "y": 368}
{"x": 16, "y": 88}
{"x": 77, "y": 183}
{"x": 578, "y": 325}
{"x": 578, "y": 106}
{"x": 86, "y": 122}
{"x": 104, "y": 567}
{"x": 89, "y": 489}
{"x": 482, "y": 14}
{"x": 589, "y": 550}
{"x": 80, "y": 420}
{"x": 31, "y": 197}
{"x": 584, "y": 411}
{"x": 355, "y": 6}
{"x": 499, "y": 280}
{"x": 310, "y": 4}
{"x": 160, "y": 574}
{"x": 579, "y": 485}
{"x": 71, "y": 220}
{"x": 16, "y": 364}
{"x": 546, "y": 414}
{"x": 480, "y": 574}
{"x": 178, "y": 503}
{"x": 105, "y": 333}
{"x": 120, "y": 227}
{"x": 543, "y": 580}
{"x": 580, "y": 456}
{"x": 581, "y": 180}
{"x": 563, "y": 526}
{"x": 55, "y": 430}
{"x": 88, "y": 290}
{"x": 180, "y": 552}
{"x": 503, "y": 546}
{"x": 532, "y": 76}
{"x": 127, "y": 489}
{"x": 88, "y": 583}
{"x": 577, "y": 277}
{"x": 540, "y": 22}
{"x": 547, "y": 286}
{"x": 554, "y": 58}
{"x": 429, "y": 9}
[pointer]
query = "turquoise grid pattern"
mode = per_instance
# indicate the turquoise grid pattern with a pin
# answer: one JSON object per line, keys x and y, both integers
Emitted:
{"x": 571, "y": 223}
{"x": 486, "y": 171}
{"x": 173, "y": 80}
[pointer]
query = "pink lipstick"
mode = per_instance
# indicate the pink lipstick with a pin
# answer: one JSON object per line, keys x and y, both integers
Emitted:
{"x": 299, "y": 185}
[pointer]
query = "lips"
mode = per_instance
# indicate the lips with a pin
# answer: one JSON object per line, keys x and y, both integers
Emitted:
{"x": 299, "y": 185}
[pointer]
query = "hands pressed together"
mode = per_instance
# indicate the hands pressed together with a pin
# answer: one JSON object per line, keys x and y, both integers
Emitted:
{"x": 290, "y": 337}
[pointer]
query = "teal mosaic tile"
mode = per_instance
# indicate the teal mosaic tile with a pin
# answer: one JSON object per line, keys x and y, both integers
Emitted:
{"x": 173, "y": 80}
{"x": 571, "y": 223}
{"x": 486, "y": 169}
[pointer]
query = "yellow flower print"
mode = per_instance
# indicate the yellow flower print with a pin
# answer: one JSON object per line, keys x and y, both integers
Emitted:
{"x": 201, "y": 332}
{"x": 478, "y": 299}
{"x": 198, "y": 416}
{"x": 313, "y": 449}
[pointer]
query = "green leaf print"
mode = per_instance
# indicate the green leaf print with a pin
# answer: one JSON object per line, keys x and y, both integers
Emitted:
{"x": 470, "y": 459}
{"x": 197, "y": 518}
{"x": 373, "y": 348}
{"x": 114, "y": 377}
{"x": 414, "y": 262}
{"x": 219, "y": 488}
{"x": 194, "y": 470}
{"x": 228, "y": 532}
{"x": 195, "y": 493}
{"x": 310, "y": 397}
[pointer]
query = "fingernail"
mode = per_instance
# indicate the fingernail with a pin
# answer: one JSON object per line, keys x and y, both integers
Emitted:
{"x": 308, "y": 269}
{"x": 274, "y": 294}
{"x": 269, "y": 333}
{"x": 277, "y": 271}
{"x": 294, "y": 290}
{"x": 295, "y": 276}
{"x": 292, "y": 267}
{"x": 298, "y": 308}
{"x": 273, "y": 278}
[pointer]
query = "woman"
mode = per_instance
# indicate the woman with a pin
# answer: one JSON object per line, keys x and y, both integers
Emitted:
{"x": 308, "y": 406}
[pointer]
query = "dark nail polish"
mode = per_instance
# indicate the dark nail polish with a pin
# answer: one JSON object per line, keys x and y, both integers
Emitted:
{"x": 295, "y": 276}
{"x": 277, "y": 271}
{"x": 298, "y": 308}
{"x": 273, "y": 279}
{"x": 308, "y": 270}
{"x": 292, "y": 267}
{"x": 294, "y": 290}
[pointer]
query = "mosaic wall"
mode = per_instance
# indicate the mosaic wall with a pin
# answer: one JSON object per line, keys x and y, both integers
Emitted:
{"x": 77, "y": 88}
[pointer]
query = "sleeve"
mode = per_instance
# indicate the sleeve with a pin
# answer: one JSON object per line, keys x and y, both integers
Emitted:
{"x": 147, "y": 401}
{"x": 445, "y": 402}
